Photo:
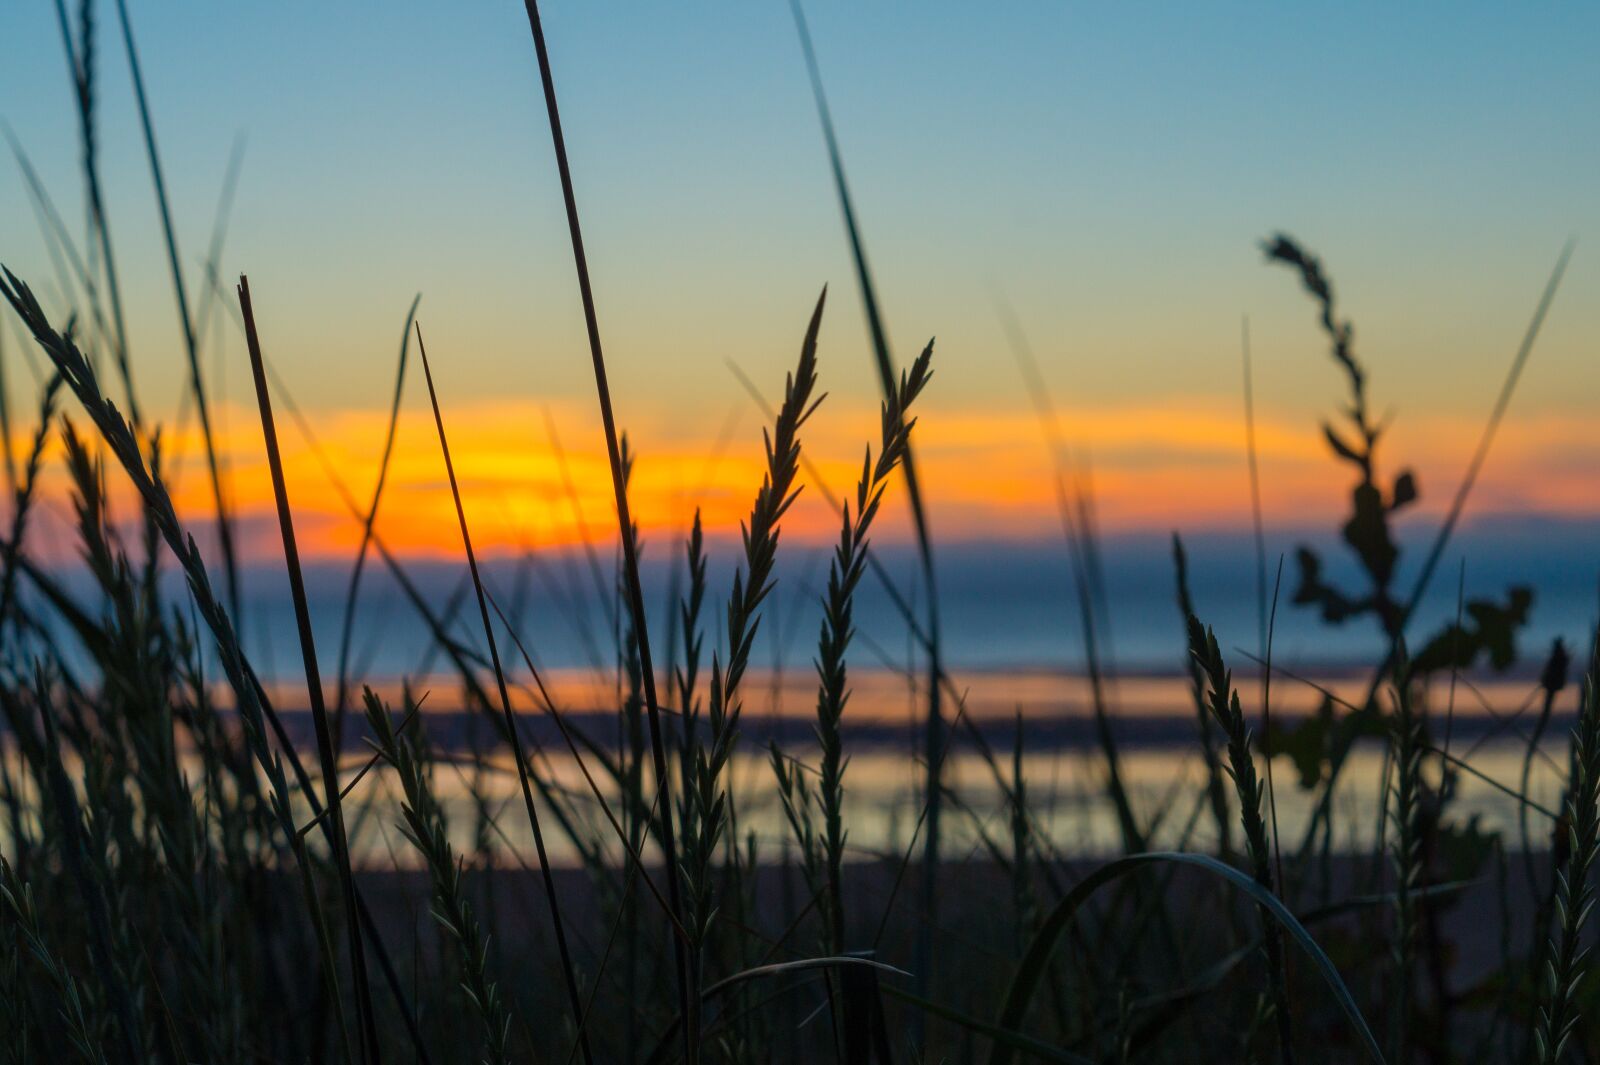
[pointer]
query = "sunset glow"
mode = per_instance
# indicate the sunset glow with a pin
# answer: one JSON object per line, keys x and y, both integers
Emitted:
{"x": 1150, "y": 468}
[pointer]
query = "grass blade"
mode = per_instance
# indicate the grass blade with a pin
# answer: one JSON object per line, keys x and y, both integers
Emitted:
{"x": 319, "y": 712}
{"x": 1088, "y": 585}
{"x": 1481, "y": 453}
{"x": 1255, "y": 485}
{"x": 1034, "y": 1048}
{"x": 191, "y": 346}
{"x": 1031, "y": 970}
{"x": 934, "y": 735}
{"x": 510, "y": 720}
{"x": 658, "y": 751}
{"x": 255, "y": 709}
{"x": 347, "y": 625}
{"x": 81, "y": 68}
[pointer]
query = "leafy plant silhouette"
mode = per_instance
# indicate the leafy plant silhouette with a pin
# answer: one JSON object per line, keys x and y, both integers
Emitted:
{"x": 1488, "y": 629}
{"x": 1368, "y": 530}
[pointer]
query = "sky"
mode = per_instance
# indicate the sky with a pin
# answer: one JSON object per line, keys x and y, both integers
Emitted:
{"x": 1107, "y": 172}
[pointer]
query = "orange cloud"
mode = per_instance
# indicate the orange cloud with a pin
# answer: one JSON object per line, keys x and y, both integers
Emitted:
{"x": 986, "y": 473}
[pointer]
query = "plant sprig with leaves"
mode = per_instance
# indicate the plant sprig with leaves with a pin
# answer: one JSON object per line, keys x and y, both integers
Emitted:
{"x": 1368, "y": 530}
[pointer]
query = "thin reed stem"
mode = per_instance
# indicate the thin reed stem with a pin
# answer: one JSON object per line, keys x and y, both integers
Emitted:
{"x": 425, "y": 828}
{"x": 347, "y": 625}
{"x": 838, "y": 627}
{"x": 1255, "y": 484}
{"x": 934, "y": 736}
{"x": 1074, "y": 508}
{"x": 1224, "y": 706}
{"x": 1406, "y": 736}
{"x": 568, "y": 971}
{"x": 191, "y": 345}
{"x": 1216, "y": 790}
{"x": 1480, "y": 453}
{"x": 658, "y": 751}
{"x": 1566, "y": 960}
{"x": 80, "y": 63}
{"x": 255, "y": 710}
{"x": 319, "y": 711}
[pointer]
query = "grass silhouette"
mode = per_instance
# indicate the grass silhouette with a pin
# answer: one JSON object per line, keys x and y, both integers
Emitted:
{"x": 176, "y": 886}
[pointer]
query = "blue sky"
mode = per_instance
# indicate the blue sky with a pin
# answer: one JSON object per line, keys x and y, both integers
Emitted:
{"x": 1108, "y": 169}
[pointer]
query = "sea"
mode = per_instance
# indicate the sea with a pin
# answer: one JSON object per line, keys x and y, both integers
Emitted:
{"x": 1017, "y": 697}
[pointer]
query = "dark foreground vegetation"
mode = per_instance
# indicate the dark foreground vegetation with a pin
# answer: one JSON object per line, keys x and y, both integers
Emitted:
{"x": 177, "y": 881}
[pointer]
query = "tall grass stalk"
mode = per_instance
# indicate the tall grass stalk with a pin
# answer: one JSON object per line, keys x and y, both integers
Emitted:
{"x": 1225, "y": 709}
{"x": 347, "y": 625}
{"x": 23, "y": 499}
{"x": 687, "y": 999}
{"x": 1408, "y": 741}
{"x": 69, "y": 264}
{"x": 255, "y": 710}
{"x": 81, "y": 66}
{"x": 71, "y": 1002}
{"x": 212, "y": 292}
{"x": 319, "y": 712}
{"x": 1074, "y": 507}
{"x": 934, "y": 735}
{"x": 1480, "y": 452}
{"x": 686, "y": 676}
{"x": 1551, "y": 682}
{"x": 1266, "y": 722}
{"x": 185, "y": 321}
{"x": 838, "y": 626}
{"x": 575, "y": 999}
{"x": 1216, "y": 790}
{"x": 1254, "y": 466}
{"x": 707, "y": 789}
{"x": 1567, "y": 960}
{"x": 425, "y": 828}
